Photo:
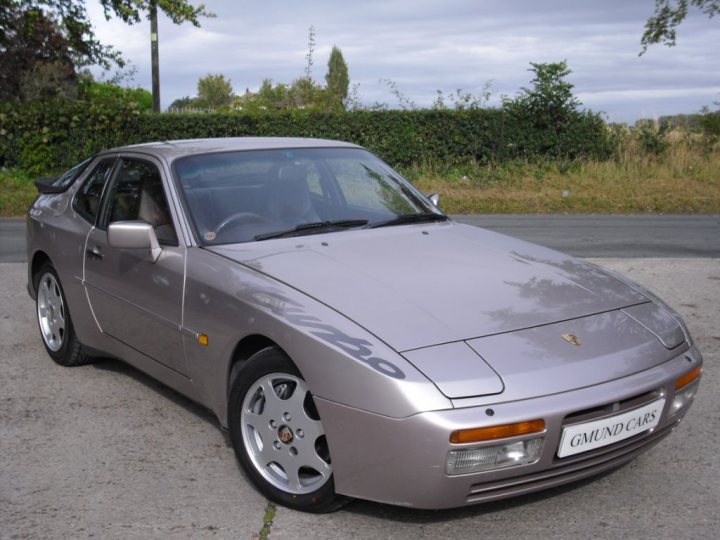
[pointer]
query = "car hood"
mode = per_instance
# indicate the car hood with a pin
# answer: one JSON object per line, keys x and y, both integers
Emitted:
{"x": 421, "y": 285}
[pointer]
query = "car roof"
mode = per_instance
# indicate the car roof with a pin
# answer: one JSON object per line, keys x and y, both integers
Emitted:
{"x": 185, "y": 147}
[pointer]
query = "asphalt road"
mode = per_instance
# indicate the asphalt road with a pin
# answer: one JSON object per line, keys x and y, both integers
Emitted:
{"x": 612, "y": 236}
{"x": 12, "y": 240}
{"x": 103, "y": 451}
{"x": 581, "y": 236}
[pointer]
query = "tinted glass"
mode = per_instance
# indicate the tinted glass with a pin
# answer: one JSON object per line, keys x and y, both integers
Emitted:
{"x": 68, "y": 177}
{"x": 87, "y": 200}
{"x": 138, "y": 194}
{"x": 365, "y": 187}
{"x": 235, "y": 197}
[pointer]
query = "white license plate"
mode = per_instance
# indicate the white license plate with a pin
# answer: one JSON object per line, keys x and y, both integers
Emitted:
{"x": 598, "y": 433}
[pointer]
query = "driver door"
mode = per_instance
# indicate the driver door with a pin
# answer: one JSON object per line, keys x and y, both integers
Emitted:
{"x": 135, "y": 300}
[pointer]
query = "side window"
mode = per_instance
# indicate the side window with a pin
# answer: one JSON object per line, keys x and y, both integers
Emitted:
{"x": 138, "y": 194}
{"x": 313, "y": 181}
{"x": 67, "y": 178}
{"x": 310, "y": 173}
{"x": 87, "y": 200}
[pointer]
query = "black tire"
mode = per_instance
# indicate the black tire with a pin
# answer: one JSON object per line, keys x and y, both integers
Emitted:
{"x": 53, "y": 316}
{"x": 288, "y": 428}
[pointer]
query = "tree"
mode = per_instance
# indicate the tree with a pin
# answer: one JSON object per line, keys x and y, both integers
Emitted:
{"x": 268, "y": 97}
{"x": 70, "y": 20}
{"x": 337, "y": 79}
{"x": 215, "y": 92}
{"x": 302, "y": 93}
{"x": 305, "y": 94}
{"x": 550, "y": 100}
{"x": 661, "y": 27}
{"x": 48, "y": 80}
{"x": 30, "y": 43}
{"x": 182, "y": 103}
{"x": 710, "y": 123}
{"x": 547, "y": 118}
{"x": 311, "y": 51}
{"x": 110, "y": 92}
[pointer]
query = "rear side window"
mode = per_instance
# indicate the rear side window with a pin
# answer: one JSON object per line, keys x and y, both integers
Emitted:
{"x": 68, "y": 177}
{"x": 87, "y": 200}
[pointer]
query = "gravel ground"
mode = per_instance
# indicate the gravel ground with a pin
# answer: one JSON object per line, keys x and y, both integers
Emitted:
{"x": 103, "y": 451}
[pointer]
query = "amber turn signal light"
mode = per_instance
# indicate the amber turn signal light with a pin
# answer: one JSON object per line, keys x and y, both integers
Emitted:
{"x": 496, "y": 432}
{"x": 688, "y": 378}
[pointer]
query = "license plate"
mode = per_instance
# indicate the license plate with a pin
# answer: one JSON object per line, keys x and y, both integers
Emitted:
{"x": 587, "y": 436}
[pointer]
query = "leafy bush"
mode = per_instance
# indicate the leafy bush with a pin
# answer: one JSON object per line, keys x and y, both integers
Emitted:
{"x": 710, "y": 124}
{"x": 113, "y": 94}
{"x": 653, "y": 140}
{"x": 41, "y": 137}
{"x": 549, "y": 121}
{"x": 44, "y": 137}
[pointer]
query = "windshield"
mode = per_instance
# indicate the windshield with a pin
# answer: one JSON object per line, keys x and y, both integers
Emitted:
{"x": 260, "y": 195}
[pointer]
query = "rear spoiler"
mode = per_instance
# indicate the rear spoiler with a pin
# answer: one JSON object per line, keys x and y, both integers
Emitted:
{"x": 45, "y": 185}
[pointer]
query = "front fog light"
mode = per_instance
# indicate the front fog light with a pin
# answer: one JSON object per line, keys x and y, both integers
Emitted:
{"x": 683, "y": 398}
{"x": 473, "y": 460}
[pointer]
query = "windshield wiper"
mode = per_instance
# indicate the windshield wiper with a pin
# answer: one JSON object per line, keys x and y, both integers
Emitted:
{"x": 317, "y": 227}
{"x": 404, "y": 219}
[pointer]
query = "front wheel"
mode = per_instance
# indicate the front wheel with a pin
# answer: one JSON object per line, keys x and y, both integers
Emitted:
{"x": 278, "y": 435}
{"x": 56, "y": 328}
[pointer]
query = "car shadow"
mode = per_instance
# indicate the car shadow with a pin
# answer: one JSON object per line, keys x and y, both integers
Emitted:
{"x": 118, "y": 366}
{"x": 365, "y": 508}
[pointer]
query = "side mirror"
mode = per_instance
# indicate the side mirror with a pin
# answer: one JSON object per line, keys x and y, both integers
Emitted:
{"x": 134, "y": 235}
{"x": 434, "y": 198}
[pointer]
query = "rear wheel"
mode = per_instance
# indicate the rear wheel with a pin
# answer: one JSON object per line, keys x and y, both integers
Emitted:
{"x": 54, "y": 321}
{"x": 278, "y": 435}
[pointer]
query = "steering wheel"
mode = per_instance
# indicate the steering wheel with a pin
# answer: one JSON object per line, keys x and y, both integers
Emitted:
{"x": 240, "y": 218}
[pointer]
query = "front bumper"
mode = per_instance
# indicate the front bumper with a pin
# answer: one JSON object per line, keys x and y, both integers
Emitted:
{"x": 402, "y": 461}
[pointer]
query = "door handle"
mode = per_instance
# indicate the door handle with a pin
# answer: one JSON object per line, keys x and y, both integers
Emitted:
{"x": 95, "y": 252}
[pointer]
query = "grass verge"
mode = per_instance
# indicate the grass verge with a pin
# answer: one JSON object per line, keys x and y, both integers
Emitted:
{"x": 17, "y": 192}
{"x": 562, "y": 193}
{"x": 683, "y": 178}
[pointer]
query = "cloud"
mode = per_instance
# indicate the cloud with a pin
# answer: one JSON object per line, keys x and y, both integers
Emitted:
{"x": 425, "y": 46}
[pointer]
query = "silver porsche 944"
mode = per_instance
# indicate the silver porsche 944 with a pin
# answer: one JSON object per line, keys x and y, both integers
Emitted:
{"x": 355, "y": 342}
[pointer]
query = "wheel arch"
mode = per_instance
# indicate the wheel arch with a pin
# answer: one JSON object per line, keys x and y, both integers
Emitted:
{"x": 39, "y": 259}
{"x": 243, "y": 351}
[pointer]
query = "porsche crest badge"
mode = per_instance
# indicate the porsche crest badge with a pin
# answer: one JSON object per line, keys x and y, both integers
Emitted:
{"x": 572, "y": 338}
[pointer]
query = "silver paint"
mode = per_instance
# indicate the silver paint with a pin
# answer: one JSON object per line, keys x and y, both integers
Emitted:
{"x": 379, "y": 279}
{"x": 402, "y": 334}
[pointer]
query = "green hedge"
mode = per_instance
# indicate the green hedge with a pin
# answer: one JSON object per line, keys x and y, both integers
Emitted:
{"x": 44, "y": 137}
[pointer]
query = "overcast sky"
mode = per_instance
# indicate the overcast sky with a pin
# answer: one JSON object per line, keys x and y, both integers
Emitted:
{"x": 425, "y": 46}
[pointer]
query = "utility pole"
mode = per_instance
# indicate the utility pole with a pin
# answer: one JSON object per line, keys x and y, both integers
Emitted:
{"x": 155, "y": 56}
